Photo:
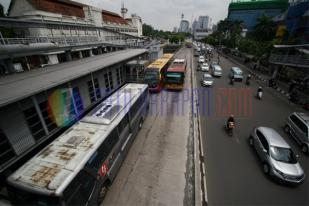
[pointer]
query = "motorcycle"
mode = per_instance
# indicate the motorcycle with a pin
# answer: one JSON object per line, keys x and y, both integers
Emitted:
{"x": 259, "y": 95}
{"x": 230, "y": 128}
{"x": 248, "y": 82}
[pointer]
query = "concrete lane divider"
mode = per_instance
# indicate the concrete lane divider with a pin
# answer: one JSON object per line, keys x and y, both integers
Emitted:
{"x": 201, "y": 197}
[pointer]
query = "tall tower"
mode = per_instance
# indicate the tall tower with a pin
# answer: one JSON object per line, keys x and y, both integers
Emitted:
{"x": 182, "y": 16}
{"x": 123, "y": 10}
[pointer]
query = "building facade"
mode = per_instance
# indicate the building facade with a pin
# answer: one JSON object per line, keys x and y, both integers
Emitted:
{"x": 204, "y": 22}
{"x": 248, "y": 11}
{"x": 184, "y": 26}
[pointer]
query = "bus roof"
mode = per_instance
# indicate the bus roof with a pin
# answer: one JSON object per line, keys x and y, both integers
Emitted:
{"x": 52, "y": 169}
{"x": 161, "y": 62}
{"x": 178, "y": 65}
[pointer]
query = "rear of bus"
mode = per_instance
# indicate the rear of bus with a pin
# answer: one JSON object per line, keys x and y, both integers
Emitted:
{"x": 154, "y": 73}
{"x": 175, "y": 75}
{"x": 152, "y": 77}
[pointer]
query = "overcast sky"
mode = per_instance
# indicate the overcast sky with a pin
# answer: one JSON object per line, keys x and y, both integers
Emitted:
{"x": 163, "y": 14}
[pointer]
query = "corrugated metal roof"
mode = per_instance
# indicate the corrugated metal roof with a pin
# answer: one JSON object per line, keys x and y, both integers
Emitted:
{"x": 18, "y": 86}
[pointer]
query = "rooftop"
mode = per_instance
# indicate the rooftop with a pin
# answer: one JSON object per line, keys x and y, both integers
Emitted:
{"x": 19, "y": 86}
{"x": 63, "y": 7}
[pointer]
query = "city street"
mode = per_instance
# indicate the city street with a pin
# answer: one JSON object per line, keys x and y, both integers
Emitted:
{"x": 158, "y": 168}
{"x": 234, "y": 174}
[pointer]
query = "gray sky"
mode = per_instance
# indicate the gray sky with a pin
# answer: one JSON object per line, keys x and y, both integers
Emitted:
{"x": 166, "y": 14}
{"x": 163, "y": 14}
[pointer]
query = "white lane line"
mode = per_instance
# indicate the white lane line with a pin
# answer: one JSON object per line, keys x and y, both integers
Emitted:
{"x": 205, "y": 189}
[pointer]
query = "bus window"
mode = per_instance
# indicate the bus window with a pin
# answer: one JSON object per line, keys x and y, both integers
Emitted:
{"x": 95, "y": 162}
{"x": 20, "y": 197}
{"x": 80, "y": 189}
{"x": 122, "y": 124}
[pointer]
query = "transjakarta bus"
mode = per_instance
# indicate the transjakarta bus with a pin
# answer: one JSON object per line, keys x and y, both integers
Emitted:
{"x": 175, "y": 75}
{"x": 154, "y": 73}
{"x": 78, "y": 167}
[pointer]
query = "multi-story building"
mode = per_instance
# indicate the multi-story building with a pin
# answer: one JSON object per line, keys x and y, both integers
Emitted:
{"x": 293, "y": 23}
{"x": 204, "y": 22}
{"x": 69, "y": 57}
{"x": 248, "y": 11}
{"x": 184, "y": 26}
{"x": 137, "y": 22}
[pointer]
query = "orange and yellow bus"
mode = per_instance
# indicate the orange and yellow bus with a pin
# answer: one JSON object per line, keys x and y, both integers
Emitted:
{"x": 175, "y": 75}
{"x": 154, "y": 73}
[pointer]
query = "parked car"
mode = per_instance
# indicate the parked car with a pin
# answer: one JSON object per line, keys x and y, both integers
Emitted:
{"x": 216, "y": 71}
{"x": 201, "y": 59}
{"x": 204, "y": 67}
{"x": 278, "y": 159}
{"x": 297, "y": 125}
{"x": 207, "y": 80}
{"x": 236, "y": 73}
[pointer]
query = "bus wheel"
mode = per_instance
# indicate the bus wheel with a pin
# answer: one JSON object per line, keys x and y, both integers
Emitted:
{"x": 140, "y": 123}
{"x": 103, "y": 192}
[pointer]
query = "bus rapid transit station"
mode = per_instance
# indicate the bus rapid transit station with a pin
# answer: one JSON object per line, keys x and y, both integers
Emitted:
{"x": 77, "y": 167}
{"x": 175, "y": 75}
{"x": 30, "y": 101}
{"x": 155, "y": 72}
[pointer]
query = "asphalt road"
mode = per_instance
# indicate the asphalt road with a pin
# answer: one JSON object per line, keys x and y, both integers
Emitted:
{"x": 234, "y": 174}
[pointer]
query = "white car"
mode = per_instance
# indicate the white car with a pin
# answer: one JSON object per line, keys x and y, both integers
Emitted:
{"x": 201, "y": 59}
{"x": 217, "y": 71}
{"x": 207, "y": 80}
{"x": 205, "y": 67}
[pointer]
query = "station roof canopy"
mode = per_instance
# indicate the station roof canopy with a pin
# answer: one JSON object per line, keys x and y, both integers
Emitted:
{"x": 19, "y": 86}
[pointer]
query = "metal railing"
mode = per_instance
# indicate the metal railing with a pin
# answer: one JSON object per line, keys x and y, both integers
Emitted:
{"x": 297, "y": 60}
{"x": 69, "y": 40}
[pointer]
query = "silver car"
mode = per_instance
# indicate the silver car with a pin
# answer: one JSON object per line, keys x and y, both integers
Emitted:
{"x": 297, "y": 125}
{"x": 207, "y": 80}
{"x": 278, "y": 159}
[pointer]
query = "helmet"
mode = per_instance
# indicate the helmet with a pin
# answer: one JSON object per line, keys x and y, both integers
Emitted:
{"x": 231, "y": 115}
{"x": 249, "y": 75}
{"x": 260, "y": 87}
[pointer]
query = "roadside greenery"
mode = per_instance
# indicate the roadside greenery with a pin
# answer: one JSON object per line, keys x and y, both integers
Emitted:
{"x": 149, "y": 31}
{"x": 258, "y": 42}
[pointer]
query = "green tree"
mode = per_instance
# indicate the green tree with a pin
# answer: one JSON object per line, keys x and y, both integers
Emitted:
{"x": 148, "y": 30}
{"x": 2, "y": 11}
{"x": 265, "y": 29}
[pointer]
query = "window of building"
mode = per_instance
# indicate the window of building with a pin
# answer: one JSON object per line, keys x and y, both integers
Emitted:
{"x": 78, "y": 101}
{"x": 34, "y": 123}
{"x": 118, "y": 74}
{"x": 110, "y": 77}
{"x": 50, "y": 123}
{"x": 6, "y": 151}
{"x": 91, "y": 91}
{"x": 94, "y": 92}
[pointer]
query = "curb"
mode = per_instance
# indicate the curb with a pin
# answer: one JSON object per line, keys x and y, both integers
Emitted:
{"x": 201, "y": 197}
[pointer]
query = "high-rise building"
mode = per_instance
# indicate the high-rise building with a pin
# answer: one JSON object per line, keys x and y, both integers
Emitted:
{"x": 204, "y": 22}
{"x": 248, "y": 11}
{"x": 184, "y": 26}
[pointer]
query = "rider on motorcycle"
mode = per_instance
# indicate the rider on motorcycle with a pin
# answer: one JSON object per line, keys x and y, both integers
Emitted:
{"x": 259, "y": 90}
{"x": 230, "y": 120}
{"x": 248, "y": 77}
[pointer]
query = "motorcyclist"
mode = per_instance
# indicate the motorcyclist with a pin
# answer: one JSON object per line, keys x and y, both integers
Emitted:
{"x": 248, "y": 77}
{"x": 260, "y": 89}
{"x": 232, "y": 80}
{"x": 230, "y": 120}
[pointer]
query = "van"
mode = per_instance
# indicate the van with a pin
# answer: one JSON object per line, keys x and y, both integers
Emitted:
{"x": 236, "y": 73}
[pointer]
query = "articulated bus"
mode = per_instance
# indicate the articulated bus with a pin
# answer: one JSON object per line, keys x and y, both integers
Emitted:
{"x": 154, "y": 73}
{"x": 175, "y": 75}
{"x": 78, "y": 167}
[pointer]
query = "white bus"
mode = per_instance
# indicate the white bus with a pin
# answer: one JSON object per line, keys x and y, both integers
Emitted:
{"x": 78, "y": 167}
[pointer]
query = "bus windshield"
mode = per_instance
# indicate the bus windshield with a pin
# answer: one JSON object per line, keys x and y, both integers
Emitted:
{"x": 151, "y": 76}
{"x": 174, "y": 77}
